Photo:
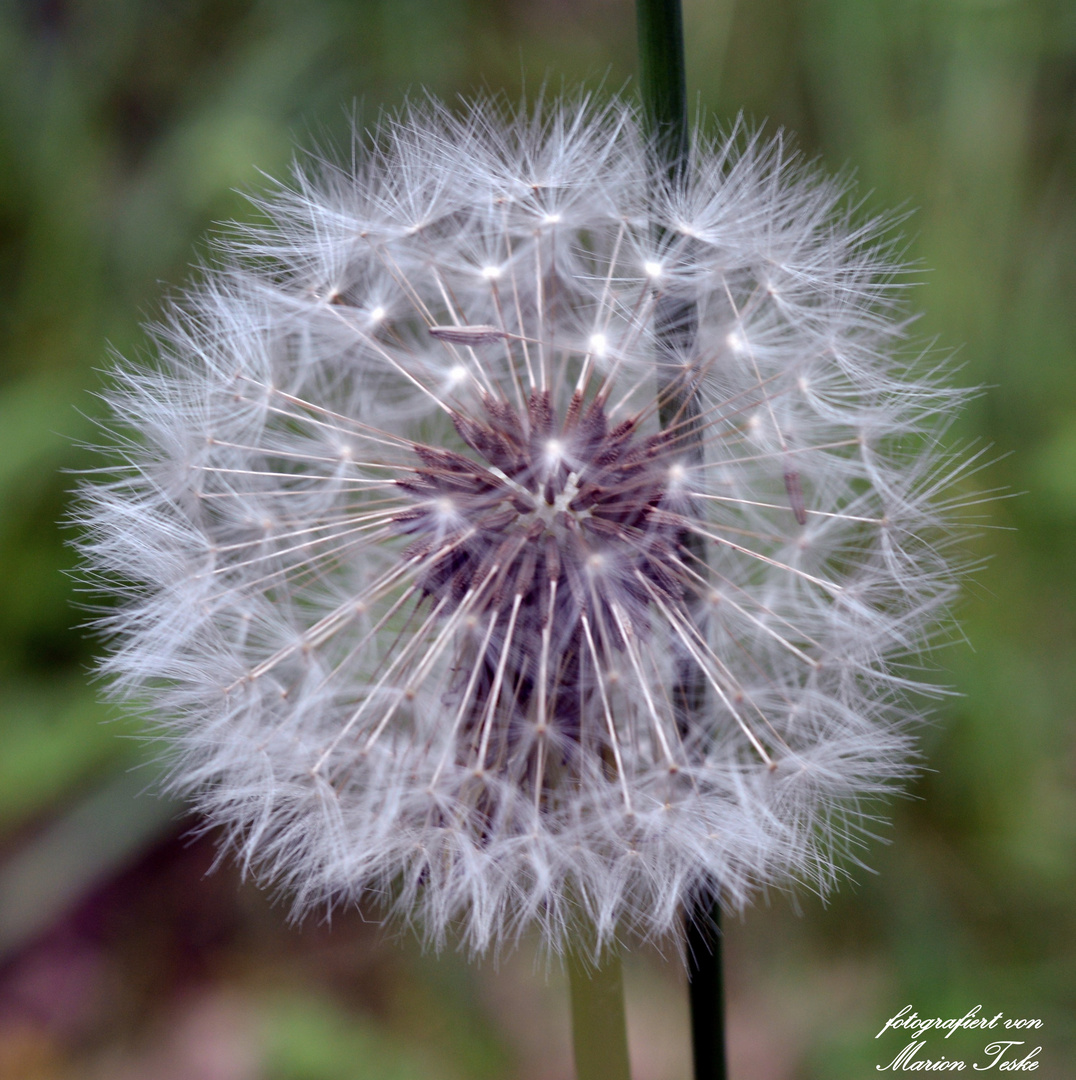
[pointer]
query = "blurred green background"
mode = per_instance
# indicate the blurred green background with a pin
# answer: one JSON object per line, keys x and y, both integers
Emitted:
{"x": 127, "y": 127}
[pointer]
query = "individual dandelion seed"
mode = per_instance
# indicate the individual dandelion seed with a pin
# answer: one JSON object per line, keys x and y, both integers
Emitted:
{"x": 422, "y": 527}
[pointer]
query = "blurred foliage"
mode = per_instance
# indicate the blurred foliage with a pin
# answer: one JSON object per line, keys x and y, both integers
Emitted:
{"x": 128, "y": 126}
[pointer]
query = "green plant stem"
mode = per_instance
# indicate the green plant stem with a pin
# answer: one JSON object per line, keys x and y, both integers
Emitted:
{"x": 599, "y": 1027}
{"x": 706, "y": 989}
{"x": 663, "y": 83}
{"x": 663, "y": 88}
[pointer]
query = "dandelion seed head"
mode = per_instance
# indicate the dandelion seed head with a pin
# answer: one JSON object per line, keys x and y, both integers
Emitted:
{"x": 441, "y": 601}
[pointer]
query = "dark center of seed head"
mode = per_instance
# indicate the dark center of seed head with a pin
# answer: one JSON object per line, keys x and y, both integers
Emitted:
{"x": 571, "y": 508}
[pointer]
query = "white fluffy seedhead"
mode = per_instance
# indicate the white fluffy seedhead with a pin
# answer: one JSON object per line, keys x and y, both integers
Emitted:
{"x": 518, "y": 545}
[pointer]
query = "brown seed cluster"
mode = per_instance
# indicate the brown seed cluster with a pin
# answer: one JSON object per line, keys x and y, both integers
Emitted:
{"x": 557, "y": 536}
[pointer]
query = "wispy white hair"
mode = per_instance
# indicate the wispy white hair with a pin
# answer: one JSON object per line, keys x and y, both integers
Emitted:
{"x": 453, "y": 576}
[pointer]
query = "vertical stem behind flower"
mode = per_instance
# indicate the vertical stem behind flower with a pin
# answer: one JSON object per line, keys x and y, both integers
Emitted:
{"x": 599, "y": 1027}
{"x": 663, "y": 81}
{"x": 664, "y": 92}
{"x": 703, "y": 940}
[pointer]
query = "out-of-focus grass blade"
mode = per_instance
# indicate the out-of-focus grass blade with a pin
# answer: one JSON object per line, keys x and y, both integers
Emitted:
{"x": 37, "y": 426}
{"x": 312, "y": 1038}
{"x": 92, "y": 841}
{"x": 54, "y": 738}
